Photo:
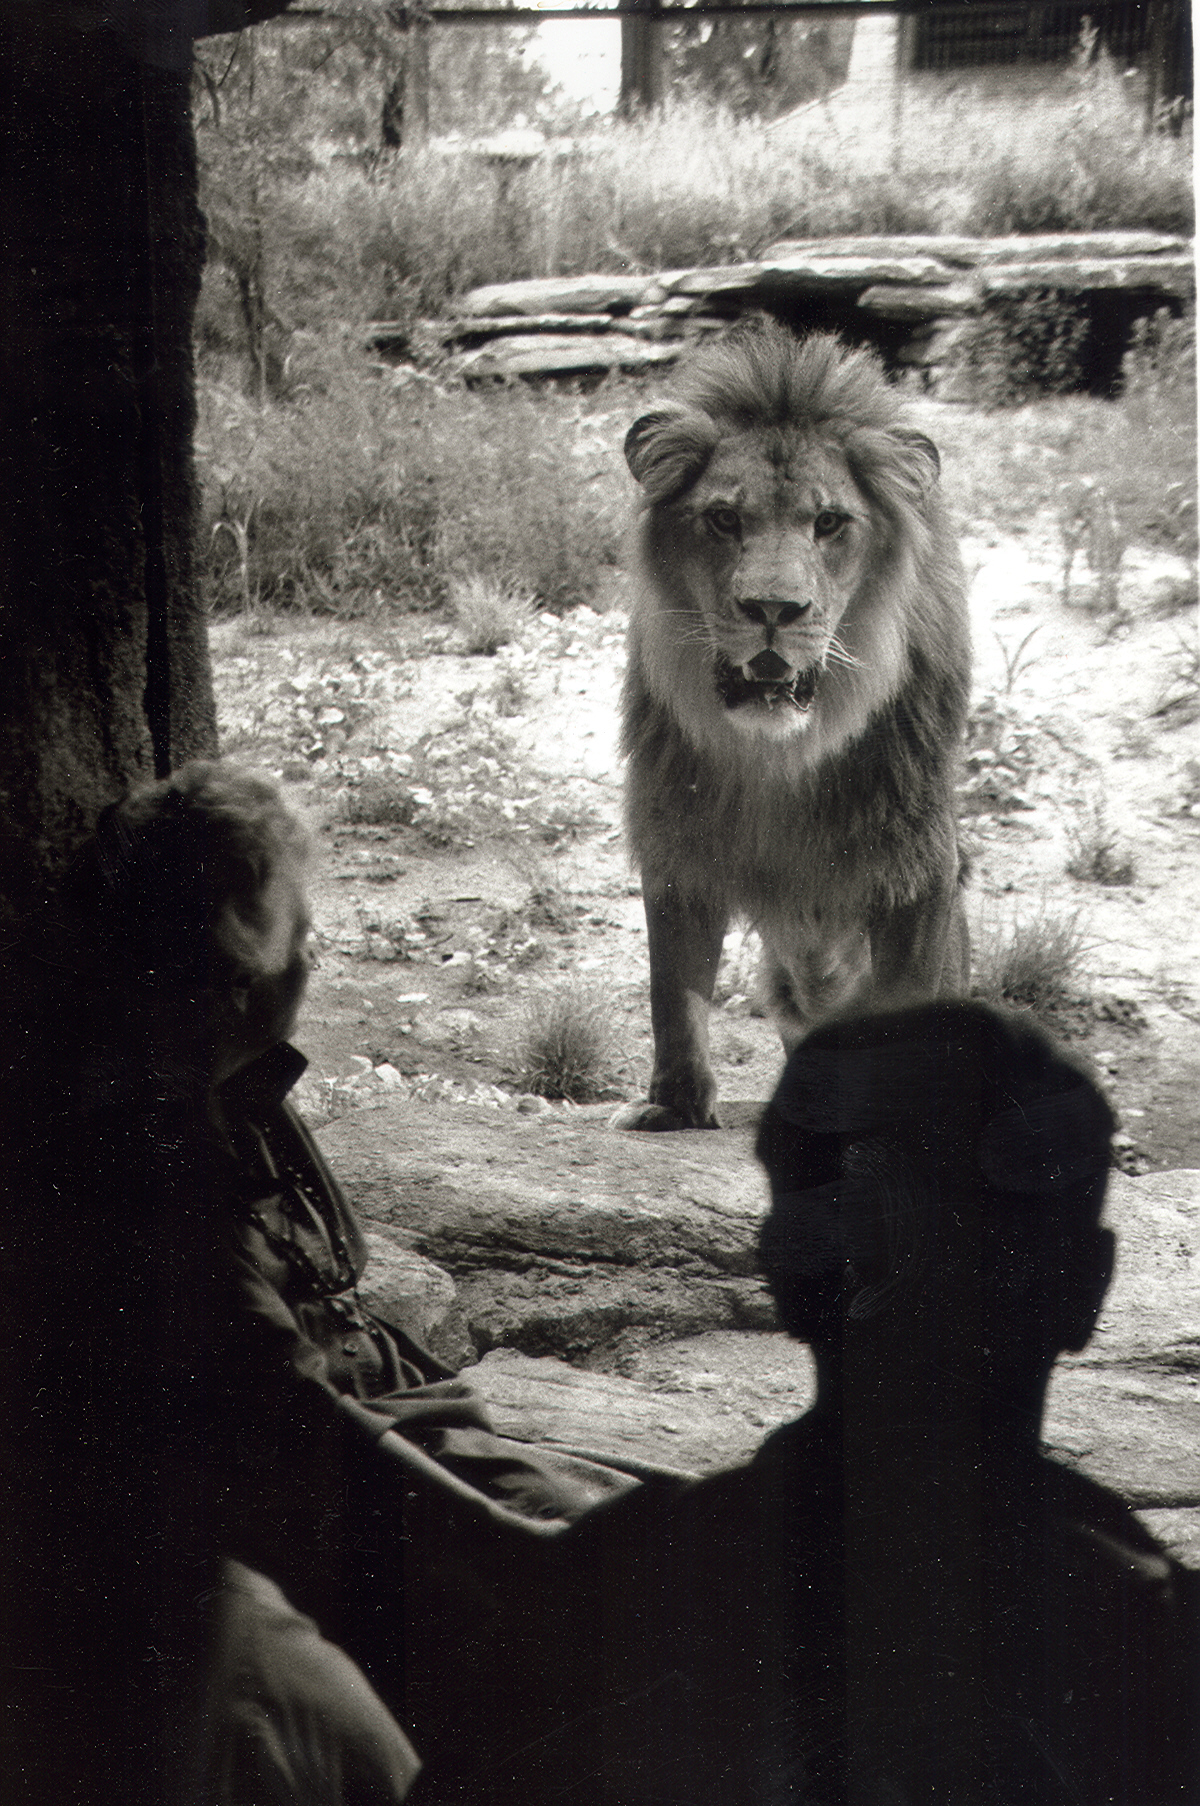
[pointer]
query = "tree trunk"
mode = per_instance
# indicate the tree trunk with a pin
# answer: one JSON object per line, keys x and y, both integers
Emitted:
{"x": 103, "y": 653}
{"x": 1168, "y": 65}
{"x": 641, "y": 57}
{"x": 405, "y": 117}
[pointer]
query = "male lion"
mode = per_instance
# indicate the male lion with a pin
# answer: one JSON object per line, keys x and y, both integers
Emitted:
{"x": 795, "y": 698}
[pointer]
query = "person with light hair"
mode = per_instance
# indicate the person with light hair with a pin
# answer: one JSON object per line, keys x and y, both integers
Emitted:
{"x": 215, "y": 1449}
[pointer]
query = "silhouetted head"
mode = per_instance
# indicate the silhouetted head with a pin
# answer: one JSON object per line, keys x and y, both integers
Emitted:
{"x": 937, "y": 1176}
{"x": 191, "y": 893}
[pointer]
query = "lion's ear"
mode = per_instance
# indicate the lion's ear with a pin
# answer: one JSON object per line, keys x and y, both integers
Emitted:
{"x": 920, "y": 455}
{"x": 666, "y": 450}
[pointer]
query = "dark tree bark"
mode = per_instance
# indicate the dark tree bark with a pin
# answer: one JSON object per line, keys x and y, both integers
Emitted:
{"x": 1168, "y": 64}
{"x": 104, "y": 671}
{"x": 405, "y": 113}
{"x": 641, "y": 58}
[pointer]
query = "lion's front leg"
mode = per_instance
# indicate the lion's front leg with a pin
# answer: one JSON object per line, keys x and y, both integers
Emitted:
{"x": 685, "y": 940}
{"x": 921, "y": 949}
{"x": 809, "y": 975}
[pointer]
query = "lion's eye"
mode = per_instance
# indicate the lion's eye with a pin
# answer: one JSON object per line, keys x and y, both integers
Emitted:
{"x": 829, "y": 522}
{"x": 725, "y": 521}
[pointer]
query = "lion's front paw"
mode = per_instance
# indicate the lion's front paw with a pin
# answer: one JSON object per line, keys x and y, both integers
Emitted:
{"x": 657, "y": 1118}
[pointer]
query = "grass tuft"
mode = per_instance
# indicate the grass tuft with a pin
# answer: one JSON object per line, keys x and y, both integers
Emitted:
{"x": 1033, "y": 964}
{"x": 378, "y": 802}
{"x": 489, "y": 614}
{"x": 1097, "y": 855}
{"x": 564, "y": 1045}
{"x": 1178, "y": 703}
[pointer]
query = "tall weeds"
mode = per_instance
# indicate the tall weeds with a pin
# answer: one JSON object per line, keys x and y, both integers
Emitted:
{"x": 354, "y": 495}
{"x": 692, "y": 184}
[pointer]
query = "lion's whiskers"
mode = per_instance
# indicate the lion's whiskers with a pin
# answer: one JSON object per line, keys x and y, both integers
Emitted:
{"x": 839, "y": 655}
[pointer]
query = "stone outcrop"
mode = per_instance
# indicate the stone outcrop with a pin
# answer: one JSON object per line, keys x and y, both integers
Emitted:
{"x": 561, "y": 1234}
{"x": 907, "y": 292}
{"x": 556, "y": 1248}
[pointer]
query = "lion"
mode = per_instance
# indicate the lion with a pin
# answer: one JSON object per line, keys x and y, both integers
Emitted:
{"x": 795, "y": 698}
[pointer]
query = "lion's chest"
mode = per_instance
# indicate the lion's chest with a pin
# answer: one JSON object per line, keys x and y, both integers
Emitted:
{"x": 759, "y": 849}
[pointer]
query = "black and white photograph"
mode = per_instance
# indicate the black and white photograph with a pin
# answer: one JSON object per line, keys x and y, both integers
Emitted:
{"x": 599, "y": 884}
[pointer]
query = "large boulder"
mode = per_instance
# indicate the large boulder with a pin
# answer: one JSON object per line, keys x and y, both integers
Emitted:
{"x": 555, "y": 1236}
{"x": 561, "y": 1233}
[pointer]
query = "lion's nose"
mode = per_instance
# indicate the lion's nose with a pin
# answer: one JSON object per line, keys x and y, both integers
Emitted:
{"x": 769, "y": 611}
{"x": 769, "y": 668}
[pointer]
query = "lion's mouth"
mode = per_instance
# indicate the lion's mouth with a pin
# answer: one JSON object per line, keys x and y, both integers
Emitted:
{"x": 736, "y": 689}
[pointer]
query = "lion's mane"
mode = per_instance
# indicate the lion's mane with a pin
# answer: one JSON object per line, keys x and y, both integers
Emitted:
{"x": 857, "y": 810}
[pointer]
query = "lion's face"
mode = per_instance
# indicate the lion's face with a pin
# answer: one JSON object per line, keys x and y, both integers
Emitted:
{"x": 776, "y": 557}
{"x": 771, "y": 542}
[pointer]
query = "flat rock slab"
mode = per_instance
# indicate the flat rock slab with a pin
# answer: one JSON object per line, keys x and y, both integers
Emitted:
{"x": 561, "y": 354}
{"x": 967, "y": 253}
{"x": 561, "y": 1232}
{"x": 695, "y": 1405}
{"x": 1152, "y": 1312}
{"x": 497, "y": 325}
{"x": 560, "y": 294}
{"x": 565, "y": 1207}
{"x": 807, "y": 271}
{"x": 920, "y": 303}
{"x": 1172, "y": 274}
{"x": 709, "y": 1401}
{"x": 557, "y": 1235}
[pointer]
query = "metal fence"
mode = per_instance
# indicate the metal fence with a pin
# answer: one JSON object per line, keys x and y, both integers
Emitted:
{"x": 979, "y": 35}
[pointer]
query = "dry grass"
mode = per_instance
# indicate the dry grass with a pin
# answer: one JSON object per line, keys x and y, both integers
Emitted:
{"x": 1178, "y": 704}
{"x": 691, "y": 183}
{"x": 488, "y": 614}
{"x": 1097, "y": 854}
{"x": 564, "y": 1045}
{"x": 1032, "y": 964}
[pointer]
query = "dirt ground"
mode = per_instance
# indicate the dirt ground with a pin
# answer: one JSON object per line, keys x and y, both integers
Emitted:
{"x": 469, "y": 855}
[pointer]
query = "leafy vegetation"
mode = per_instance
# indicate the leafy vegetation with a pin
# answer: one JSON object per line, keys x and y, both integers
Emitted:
{"x": 313, "y": 222}
{"x": 351, "y": 495}
{"x": 1024, "y": 346}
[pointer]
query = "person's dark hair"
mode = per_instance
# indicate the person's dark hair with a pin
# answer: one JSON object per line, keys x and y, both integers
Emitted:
{"x": 956, "y": 1131}
{"x": 173, "y": 887}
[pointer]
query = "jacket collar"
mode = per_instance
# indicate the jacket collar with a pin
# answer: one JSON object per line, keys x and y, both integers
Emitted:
{"x": 266, "y": 1081}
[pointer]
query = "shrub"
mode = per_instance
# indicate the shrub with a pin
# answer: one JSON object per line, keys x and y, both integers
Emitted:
{"x": 356, "y": 495}
{"x": 379, "y": 802}
{"x": 488, "y": 614}
{"x": 1161, "y": 354}
{"x": 1097, "y": 855}
{"x": 1091, "y": 521}
{"x": 1091, "y": 167}
{"x": 1024, "y": 346}
{"x": 564, "y": 1045}
{"x": 1033, "y": 964}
